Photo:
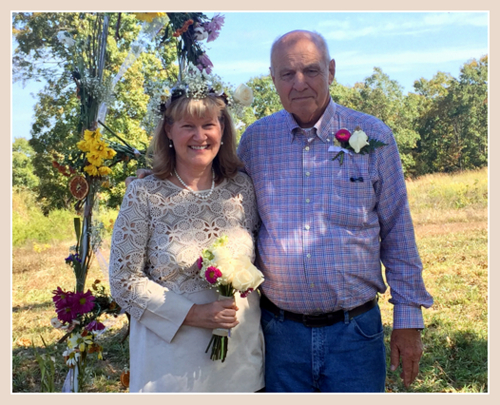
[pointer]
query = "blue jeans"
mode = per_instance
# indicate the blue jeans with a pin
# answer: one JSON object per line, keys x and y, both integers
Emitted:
{"x": 347, "y": 356}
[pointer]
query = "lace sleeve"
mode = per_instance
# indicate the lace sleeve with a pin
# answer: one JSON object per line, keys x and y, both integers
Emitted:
{"x": 128, "y": 256}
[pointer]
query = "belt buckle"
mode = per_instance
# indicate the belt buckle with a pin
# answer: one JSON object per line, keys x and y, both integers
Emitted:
{"x": 313, "y": 321}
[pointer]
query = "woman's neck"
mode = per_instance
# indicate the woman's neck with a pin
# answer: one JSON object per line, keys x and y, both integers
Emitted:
{"x": 196, "y": 180}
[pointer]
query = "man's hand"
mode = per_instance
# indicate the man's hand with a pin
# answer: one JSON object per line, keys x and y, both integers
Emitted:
{"x": 407, "y": 346}
{"x": 141, "y": 173}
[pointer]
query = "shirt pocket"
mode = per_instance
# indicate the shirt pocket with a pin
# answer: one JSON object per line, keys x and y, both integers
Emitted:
{"x": 351, "y": 199}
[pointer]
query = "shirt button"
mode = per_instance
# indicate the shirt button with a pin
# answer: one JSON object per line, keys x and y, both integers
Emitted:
{"x": 307, "y": 147}
{"x": 308, "y": 255}
{"x": 308, "y": 174}
{"x": 307, "y": 227}
{"x": 308, "y": 200}
{"x": 312, "y": 285}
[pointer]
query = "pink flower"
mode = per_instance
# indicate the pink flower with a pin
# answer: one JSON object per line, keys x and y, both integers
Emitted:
{"x": 66, "y": 313}
{"x": 83, "y": 302}
{"x": 213, "y": 27}
{"x": 212, "y": 274}
{"x": 342, "y": 135}
{"x": 199, "y": 262}
{"x": 61, "y": 298}
{"x": 245, "y": 294}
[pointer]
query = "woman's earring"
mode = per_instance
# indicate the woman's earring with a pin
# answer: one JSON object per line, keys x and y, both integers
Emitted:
{"x": 170, "y": 144}
{"x": 222, "y": 143}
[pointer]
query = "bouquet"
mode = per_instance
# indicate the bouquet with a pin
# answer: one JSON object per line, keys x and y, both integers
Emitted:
{"x": 228, "y": 274}
{"x": 78, "y": 315}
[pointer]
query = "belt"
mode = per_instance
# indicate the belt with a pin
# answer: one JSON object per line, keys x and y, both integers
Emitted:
{"x": 314, "y": 321}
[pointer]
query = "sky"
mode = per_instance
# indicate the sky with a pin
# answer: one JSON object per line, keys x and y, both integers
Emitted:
{"x": 407, "y": 46}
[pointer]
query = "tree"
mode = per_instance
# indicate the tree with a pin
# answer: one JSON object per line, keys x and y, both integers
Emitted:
{"x": 453, "y": 120}
{"x": 23, "y": 175}
{"x": 41, "y": 56}
{"x": 383, "y": 98}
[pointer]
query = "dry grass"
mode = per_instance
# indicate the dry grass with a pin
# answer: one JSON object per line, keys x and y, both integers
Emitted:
{"x": 37, "y": 270}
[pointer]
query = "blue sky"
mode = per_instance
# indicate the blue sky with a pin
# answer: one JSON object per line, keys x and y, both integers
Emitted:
{"x": 406, "y": 46}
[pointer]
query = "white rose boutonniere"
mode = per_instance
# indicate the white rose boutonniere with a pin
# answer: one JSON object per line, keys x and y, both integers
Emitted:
{"x": 357, "y": 142}
{"x": 243, "y": 95}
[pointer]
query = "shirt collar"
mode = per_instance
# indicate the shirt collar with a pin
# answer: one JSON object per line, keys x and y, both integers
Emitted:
{"x": 324, "y": 125}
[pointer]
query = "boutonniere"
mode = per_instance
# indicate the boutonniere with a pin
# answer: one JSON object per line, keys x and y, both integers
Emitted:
{"x": 357, "y": 142}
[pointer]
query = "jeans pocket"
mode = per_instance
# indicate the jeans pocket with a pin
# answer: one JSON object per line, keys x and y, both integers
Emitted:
{"x": 369, "y": 324}
{"x": 267, "y": 320}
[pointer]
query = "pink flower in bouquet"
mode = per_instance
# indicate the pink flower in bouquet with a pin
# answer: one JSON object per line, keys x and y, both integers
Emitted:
{"x": 199, "y": 262}
{"x": 212, "y": 274}
{"x": 83, "y": 302}
{"x": 342, "y": 135}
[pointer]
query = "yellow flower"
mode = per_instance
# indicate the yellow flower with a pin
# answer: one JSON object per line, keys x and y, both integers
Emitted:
{"x": 94, "y": 159}
{"x": 83, "y": 146}
{"x": 148, "y": 17}
{"x": 104, "y": 170}
{"x": 91, "y": 170}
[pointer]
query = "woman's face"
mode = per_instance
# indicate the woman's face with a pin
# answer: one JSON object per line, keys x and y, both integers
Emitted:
{"x": 196, "y": 141}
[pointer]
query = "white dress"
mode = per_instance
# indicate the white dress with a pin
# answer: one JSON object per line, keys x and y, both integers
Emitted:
{"x": 158, "y": 236}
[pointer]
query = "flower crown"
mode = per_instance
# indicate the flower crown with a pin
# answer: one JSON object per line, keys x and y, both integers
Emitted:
{"x": 198, "y": 84}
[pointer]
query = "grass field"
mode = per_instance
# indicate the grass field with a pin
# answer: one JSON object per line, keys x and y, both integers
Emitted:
{"x": 451, "y": 224}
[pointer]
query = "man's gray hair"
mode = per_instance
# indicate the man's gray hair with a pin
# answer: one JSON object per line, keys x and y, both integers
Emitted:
{"x": 314, "y": 36}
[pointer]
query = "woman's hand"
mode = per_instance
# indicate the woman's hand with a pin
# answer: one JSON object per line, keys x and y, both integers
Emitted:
{"x": 218, "y": 314}
{"x": 141, "y": 173}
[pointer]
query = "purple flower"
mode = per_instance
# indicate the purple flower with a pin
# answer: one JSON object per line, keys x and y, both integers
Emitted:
{"x": 95, "y": 325}
{"x": 83, "y": 302}
{"x": 199, "y": 262}
{"x": 212, "y": 274}
{"x": 66, "y": 313}
{"x": 61, "y": 298}
{"x": 213, "y": 27}
{"x": 218, "y": 21}
{"x": 204, "y": 62}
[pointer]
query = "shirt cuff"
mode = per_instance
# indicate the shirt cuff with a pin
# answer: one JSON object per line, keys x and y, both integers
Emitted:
{"x": 407, "y": 317}
{"x": 165, "y": 312}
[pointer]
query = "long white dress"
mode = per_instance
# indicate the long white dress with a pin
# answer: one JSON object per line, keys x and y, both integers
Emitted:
{"x": 158, "y": 236}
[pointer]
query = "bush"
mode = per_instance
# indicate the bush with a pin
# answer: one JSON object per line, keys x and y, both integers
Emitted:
{"x": 29, "y": 224}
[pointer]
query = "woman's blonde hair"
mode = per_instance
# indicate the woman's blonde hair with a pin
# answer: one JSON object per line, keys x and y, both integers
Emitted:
{"x": 225, "y": 164}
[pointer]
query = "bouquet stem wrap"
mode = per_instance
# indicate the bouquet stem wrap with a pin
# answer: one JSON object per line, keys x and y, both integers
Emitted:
{"x": 220, "y": 338}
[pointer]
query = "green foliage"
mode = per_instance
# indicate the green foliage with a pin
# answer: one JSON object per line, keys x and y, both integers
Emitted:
{"x": 22, "y": 166}
{"x": 29, "y": 224}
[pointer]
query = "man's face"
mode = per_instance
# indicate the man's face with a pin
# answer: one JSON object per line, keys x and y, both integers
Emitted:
{"x": 302, "y": 78}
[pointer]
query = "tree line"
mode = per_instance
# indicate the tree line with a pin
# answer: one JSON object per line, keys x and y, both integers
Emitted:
{"x": 441, "y": 126}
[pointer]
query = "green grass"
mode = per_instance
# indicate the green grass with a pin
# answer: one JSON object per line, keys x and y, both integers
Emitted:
{"x": 450, "y": 216}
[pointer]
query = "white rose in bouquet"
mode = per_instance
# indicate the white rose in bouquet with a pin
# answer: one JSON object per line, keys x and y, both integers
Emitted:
{"x": 224, "y": 262}
{"x": 243, "y": 95}
{"x": 246, "y": 275}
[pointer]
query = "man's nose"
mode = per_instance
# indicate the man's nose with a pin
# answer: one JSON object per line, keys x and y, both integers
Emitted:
{"x": 299, "y": 82}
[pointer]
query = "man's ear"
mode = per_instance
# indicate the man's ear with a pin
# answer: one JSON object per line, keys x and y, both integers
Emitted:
{"x": 331, "y": 71}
